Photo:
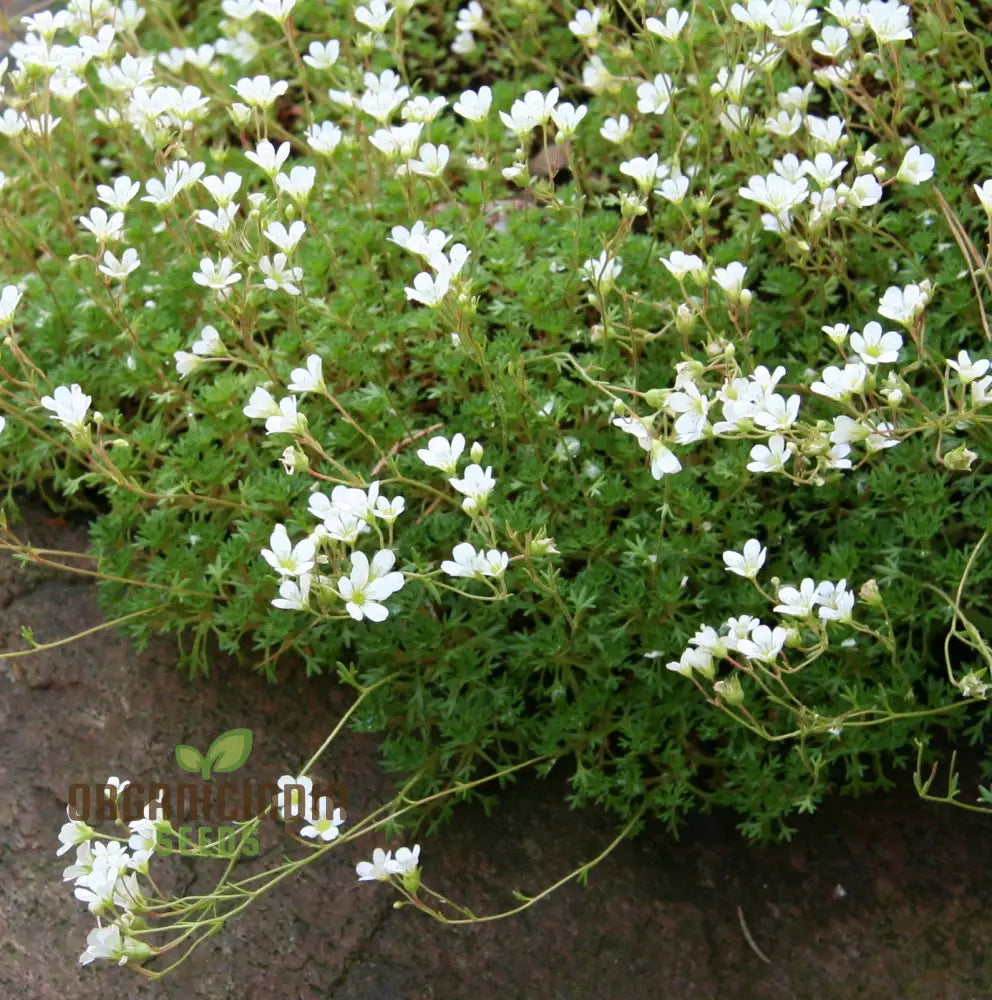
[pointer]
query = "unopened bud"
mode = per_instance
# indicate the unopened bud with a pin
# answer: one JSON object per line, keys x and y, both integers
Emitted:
{"x": 869, "y": 592}
{"x": 655, "y": 398}
{"x": 730, "y": 690}
{"x": 476, "y": 452}
{"x": 960, "y": 459}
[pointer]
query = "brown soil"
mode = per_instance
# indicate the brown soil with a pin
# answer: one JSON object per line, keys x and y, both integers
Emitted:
{"x": 888, "y": 897}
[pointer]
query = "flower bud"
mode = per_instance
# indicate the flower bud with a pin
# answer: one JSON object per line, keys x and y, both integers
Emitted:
{"x": 960, "y": 459}
{"x": 730, "y": 690}
{"x": 655, "y": 398}
{"x": 475, "y": 452}
{"x": 240, "y": 114}
{"x": 685, "y": 319}
{"x": 869, "y": 593}
{"x": 542, "y": 546}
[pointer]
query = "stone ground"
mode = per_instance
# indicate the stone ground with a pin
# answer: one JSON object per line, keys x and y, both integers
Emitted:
{"x": 659, "y": 919}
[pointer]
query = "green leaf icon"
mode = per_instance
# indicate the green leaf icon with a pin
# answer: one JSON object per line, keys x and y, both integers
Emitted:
{"x": 229, "y": 751}
{"x": 189, "y": 758}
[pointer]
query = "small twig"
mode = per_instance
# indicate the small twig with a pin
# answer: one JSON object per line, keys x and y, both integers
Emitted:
{"x": 402, "y": 444}
{"x": 750, "y": 940}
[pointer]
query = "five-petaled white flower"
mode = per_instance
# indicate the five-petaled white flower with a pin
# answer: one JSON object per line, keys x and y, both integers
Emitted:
{"x": 323, "y": 821}
{"x": 294, "y": 798}
{"x": 287, "y": 559}
{"x": 442, "y": 454}
{"x": 70, "y": 405}
{"x": 9, "y": 298}
{"x": 369, "y": 585}
{"x": 475, "y": 486}
{"x": 916, "y": 167}
{"x": 220, "y": 277}
{"x": 466, "y": 562}
{"x": 748, "y": 561}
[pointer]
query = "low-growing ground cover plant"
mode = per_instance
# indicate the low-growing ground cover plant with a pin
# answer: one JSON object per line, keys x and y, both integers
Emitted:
{"x": 605, "y": 389}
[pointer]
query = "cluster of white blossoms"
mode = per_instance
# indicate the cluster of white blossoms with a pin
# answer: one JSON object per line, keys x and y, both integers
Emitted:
{"x": 811, "y": 605}
{"x": 105, "y": 878}
{"x": 430, "y": 288}
{"x": 105, "y": 875}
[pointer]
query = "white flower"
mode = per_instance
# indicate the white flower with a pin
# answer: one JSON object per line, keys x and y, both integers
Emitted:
{"x": 268, "y": 157}
{"x": 110, "y": 943}
{"x": 222, "y": 189}
{"x": 473, "y": 105}
{"x": 764, "y": 643}
{"x": 286, "y": 239}
{"x": 375, "y": 16}
{"x": 916, "y": 167}
{"x": 70, "y": 405}
{"x": 466, "y": 562}
{"x": 219, "y": 277}
{"x": 747, "y": 562}
{"x": 836, "y": 601}
{"x": 903, "y": 305}
{"x": 320, "y": 824}
{"x": 476, "y": 485}
{"x": 671, "y": 27}
{"x": 731, "y": 280}
{"x": 586, "y": 23}
{"x": 664, "y": 462}
{"x": 889, "y": 20}
{"x": 875, "y": 346}
{"x": 378, "y": 869}
{"x": 9, "y": 298}
{"x": 260, "y": 91}
{"x": 967, "y": 369}
{"x": 406, "y": 861}
{"x": 73, "y": 833}
{"x": 120, "y": 195}
{"x": 295, "y": 795}
{"x": 693, "y": 658}
{"x": 309, "y": 379}
{"x": 567, "y": 118}
{"x": 645, "y": 172}
{"x": 423, "y": 109}
{"x": 287, "y": 559}
{"x": 984, "y": 192}
{"x": 799, "y": 603}
{"x": 323, "y": 138}
{"x": 429, "y": 290}
{"x": 654, "y": 97}
{"x": 771, "y": 457}
{"x": 616, "y": 130}
{"x": 322, "y": 55}
{"x": 841, "y": 383}
{"x": 120, "y": 269}
{"x": 102, "y": 226}
{"x": 602, "y": 272}
{"x": 680, "y": 264}
{"x": 533, "y": 109}
{"x": 278, "y": 275}
{"x": 863, "y": 193}
{"x": 294, "y": 595}
{"x": 297, "y": 183}
{"x": 442, "y": 454}
{"x": 432, "y": 160}
{"x": 471, "y": 18}
{"x": 369, "y": 585}
{"x": 278, "y": 10}
{"x": 674, "y": 189}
